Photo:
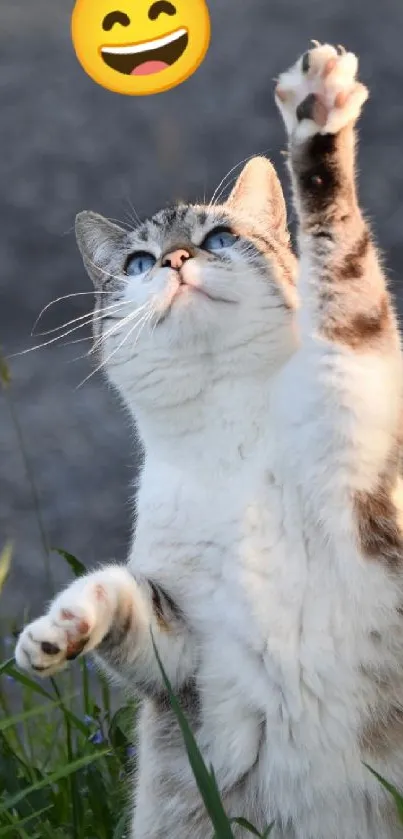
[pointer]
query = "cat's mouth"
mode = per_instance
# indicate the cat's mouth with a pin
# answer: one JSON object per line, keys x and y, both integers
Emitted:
{"x": 186, "y": 290}
{"x": 149, "y": 57}
{"x": 189, "y": 288}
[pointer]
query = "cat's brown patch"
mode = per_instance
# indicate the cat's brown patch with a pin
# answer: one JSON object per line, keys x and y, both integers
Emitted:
{"x": 353, "y": 265}
{"x": 323, "y": 173}
{"x": 383, "y": 732}
{"x": 165, "y": 609}
{"x": 363, "y": 328}
{"x": 119, "y": 631}
{"x": 378, "y": 528}
{"x": 158, "y": 608}
{"x": 74, "y": 649}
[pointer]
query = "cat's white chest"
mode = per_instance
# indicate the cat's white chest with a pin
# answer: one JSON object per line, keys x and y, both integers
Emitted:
{"x": 275, "y": 611}
{"x": 285, "y": 637}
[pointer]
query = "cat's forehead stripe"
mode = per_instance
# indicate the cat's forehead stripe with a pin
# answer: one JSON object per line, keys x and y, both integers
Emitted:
{"x": 202, "y": 217}
{"x": 182, "y": 222}
{"x": 144, "y": 234}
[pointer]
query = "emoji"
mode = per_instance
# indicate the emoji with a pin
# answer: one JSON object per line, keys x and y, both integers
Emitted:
{"x": 140, "y": 47}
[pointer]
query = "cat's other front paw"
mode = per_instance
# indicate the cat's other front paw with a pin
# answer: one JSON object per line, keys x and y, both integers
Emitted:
{"x": 46, "y": 645}
{"x": 77, "y": 621}
{"x": 320, "y": 93}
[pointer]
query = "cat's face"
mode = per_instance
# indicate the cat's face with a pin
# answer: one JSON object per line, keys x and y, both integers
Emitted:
{"x": 194, "y": 285}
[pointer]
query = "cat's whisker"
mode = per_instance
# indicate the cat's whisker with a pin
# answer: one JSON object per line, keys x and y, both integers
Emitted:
{"x": 226, "y": 186}
{"x": 121, "y": 278}
{"x": 101, "y": 341}
{"x": 56, "y": 338}
{"x": 135, "y": 219}
{"x": 140, "y": 321}
{"x": 77, "y": 341}
{"x": 156, "y": 322}
{"x": 119, "y": 326}
{"x": 146, "y": 321}
{"x": 65, "y": 297}
{"x": 120, "y": 222}
{"x": 105, "y": 361}
{"x": 89, "y": 316}
{"x": 222, "y": 183}
{"x": 85, "y": 356}
{"x": 215, "y": 199}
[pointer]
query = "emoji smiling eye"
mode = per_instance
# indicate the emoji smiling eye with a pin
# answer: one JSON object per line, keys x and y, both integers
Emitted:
{"x": 115, "y": 17}
{"x": 139, "y": 263}
{"x": 162, "y": 7}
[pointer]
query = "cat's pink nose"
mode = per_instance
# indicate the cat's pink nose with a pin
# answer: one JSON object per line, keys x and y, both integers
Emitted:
{"x": 175, "y": 259}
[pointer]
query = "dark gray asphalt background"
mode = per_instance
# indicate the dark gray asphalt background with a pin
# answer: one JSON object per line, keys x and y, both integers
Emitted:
{"x": 66, "y": 145}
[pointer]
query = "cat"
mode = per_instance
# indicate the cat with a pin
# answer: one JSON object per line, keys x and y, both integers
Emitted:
{"x": 268, "y": 550}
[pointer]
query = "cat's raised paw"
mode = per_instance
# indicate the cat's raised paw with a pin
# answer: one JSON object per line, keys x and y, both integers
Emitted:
{"x": 77, "y": 621}
{"x": 320, "y": 93}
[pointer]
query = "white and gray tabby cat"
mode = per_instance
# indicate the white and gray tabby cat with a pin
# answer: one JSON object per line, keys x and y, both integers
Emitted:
{"x": 268, "y": 556}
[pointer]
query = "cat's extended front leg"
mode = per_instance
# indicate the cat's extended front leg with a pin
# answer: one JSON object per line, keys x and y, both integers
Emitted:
{"x": 112, "y": 613}
{"x": 350, "y": 354}
{"x": 341, "y": 285}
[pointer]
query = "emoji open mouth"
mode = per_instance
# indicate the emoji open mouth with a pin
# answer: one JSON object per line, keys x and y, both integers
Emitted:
{"x": 149, "y": 57}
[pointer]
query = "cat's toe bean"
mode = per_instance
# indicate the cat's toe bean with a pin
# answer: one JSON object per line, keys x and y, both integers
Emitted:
{"x": 319, "y": 94}
{"x": 50, "y": 649}
{"x": 41, "y": 647}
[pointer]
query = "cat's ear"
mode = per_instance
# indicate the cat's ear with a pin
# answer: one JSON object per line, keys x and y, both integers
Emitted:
{"x": 258, "y": 195}
{"x": 102, "y": 246}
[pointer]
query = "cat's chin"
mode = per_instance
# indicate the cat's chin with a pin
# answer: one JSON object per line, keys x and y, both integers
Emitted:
{"x": 192, "y": 316}
{"x": 189, "y": 296}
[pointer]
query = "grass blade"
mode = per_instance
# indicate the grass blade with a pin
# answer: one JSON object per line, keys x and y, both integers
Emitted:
{"x": 120, "y": 829}
{"x": 53, "y": 778}
{"x": 5, "y": 376}
{"x": 246, "y": 826}
{"x": 27, "y": 715}
{"x": 75, "y": 800}
{"x": 396, "y": 795}
{"x": 9, "y": 668}
{"x": 33, "y": 487}
{"x": 11, "y": 828}
{"x": 5, "y": 563}
{"x": 205, "y": 780}
{"x": 76, "y": 566}
{"x": 4, "y": 666}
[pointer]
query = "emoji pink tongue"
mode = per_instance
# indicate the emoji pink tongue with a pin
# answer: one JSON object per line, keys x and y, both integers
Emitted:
{"x": 149, "y": 67}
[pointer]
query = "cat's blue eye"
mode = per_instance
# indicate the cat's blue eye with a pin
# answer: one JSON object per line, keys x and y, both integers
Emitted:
{"x": 219, "y": 239}
{"x": 139, "y": 263}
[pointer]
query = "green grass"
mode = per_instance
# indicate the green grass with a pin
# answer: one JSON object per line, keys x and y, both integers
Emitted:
{"x": 66, "y": 756}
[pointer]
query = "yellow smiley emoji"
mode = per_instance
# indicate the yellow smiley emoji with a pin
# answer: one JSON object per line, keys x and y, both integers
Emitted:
{"x": 140, "y": 47}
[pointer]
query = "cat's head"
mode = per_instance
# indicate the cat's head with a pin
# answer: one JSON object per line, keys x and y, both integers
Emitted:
{"x": 195, "y": 292}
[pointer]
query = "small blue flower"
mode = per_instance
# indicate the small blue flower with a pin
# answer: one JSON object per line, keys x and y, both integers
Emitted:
{"x": 131, "y": 752}
{"x": 89, "y": 720}
{"x": 97, "y": 738}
